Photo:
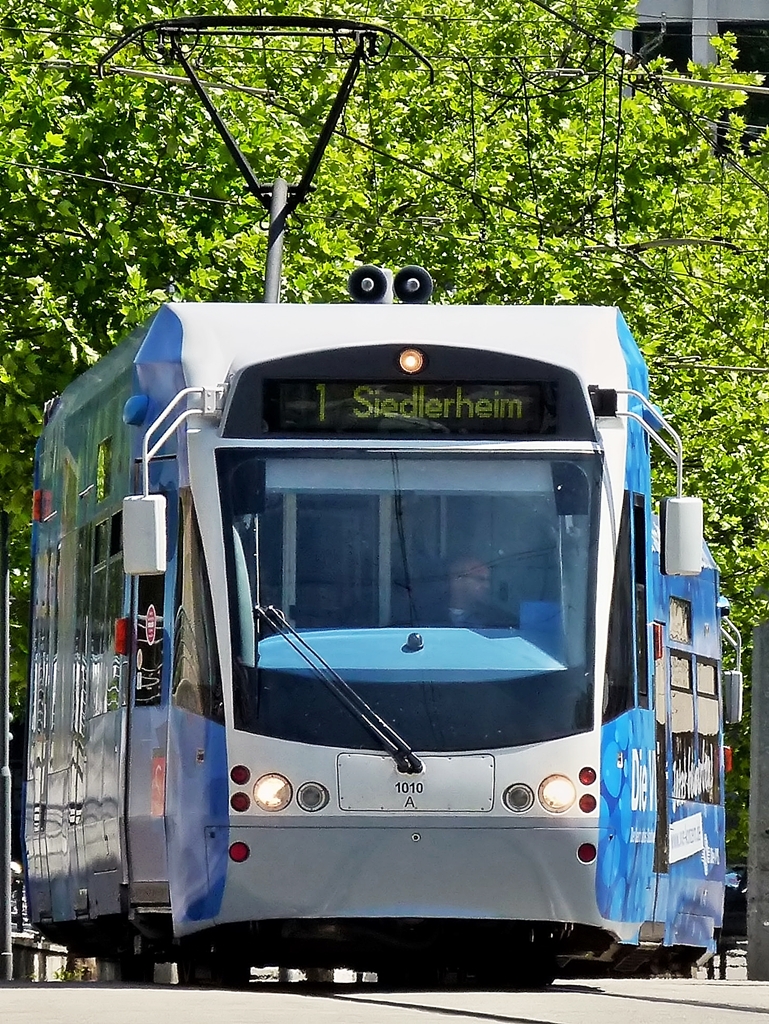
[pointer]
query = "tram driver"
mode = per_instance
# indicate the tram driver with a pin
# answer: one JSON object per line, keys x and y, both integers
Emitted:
{"x": 470, "y": 601}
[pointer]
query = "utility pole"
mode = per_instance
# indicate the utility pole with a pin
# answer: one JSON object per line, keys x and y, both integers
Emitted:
{"x": 6, "y": 947}
{"x": 758, "y": 843}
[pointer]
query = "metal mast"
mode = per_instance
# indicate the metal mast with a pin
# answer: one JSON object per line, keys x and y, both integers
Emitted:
{"x": 6, "y": 948}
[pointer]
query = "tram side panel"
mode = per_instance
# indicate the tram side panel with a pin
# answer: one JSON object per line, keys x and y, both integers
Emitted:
{"x": 692, "y": 870}
{"x": 73, "y": 830}
{"x": 197, "y": 796}
{"x": 661, "y": 850}
{"x": 628, "y": 810}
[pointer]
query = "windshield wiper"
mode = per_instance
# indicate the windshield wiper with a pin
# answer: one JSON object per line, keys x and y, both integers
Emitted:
{"x": 404, "y": 757}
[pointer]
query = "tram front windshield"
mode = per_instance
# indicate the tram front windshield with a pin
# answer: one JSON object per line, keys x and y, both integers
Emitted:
{"x": 454, "y": 594}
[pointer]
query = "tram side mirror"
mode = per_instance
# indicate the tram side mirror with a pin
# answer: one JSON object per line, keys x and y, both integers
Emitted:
{"x": 733, "y": 687}
{"x": 682, "y": 536}
{"x": 144, "y": 534}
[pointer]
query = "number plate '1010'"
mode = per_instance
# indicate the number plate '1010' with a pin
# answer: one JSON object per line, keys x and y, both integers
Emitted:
{"x": 371, "y": 782}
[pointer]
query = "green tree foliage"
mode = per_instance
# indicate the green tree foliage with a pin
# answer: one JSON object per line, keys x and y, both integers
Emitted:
{"x": 538, "y": 168}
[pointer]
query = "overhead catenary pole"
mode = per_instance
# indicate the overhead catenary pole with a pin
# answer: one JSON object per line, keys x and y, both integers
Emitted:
{"x": 176, "y": 38}
{"x": 758, "y": 841}
{"x": 277, "y": 229}
{"x": 6, "y": 948}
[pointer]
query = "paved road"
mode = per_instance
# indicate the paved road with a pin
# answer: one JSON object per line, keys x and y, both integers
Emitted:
{"x": 644, "y": 1002}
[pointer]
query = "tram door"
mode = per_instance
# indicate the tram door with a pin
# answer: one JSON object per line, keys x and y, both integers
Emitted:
{"x": 44, "y": 659}
{"x": 81, "y": 643}
{"x": 661, "y": 688}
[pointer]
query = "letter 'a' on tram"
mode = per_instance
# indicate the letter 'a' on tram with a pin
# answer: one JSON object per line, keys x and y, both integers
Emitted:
{"x": 358, "y": 641}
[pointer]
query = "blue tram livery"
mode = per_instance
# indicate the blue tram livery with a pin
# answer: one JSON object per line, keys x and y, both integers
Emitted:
{"x": 356, "y": 643}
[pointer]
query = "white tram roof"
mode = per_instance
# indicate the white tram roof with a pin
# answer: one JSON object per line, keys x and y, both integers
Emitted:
{"x": 218, "y": 339}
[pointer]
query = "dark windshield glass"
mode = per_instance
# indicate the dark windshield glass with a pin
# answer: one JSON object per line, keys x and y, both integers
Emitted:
{"x": 490, "y": 560}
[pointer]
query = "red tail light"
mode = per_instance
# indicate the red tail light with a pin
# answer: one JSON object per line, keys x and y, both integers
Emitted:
{"x": 587, "y": 776}
{"x": 239, "y": 852}
{"x": 122, "y": 635}
{"x": 37, "y": 506}
{"x": 240, "y": 801}
{"x": 586, "y": 853}
{"x": 587, "y": 803}
{"x": 659, "y": 640}
{"x": 240, "y": 774}
{"x": 728, "y": 759}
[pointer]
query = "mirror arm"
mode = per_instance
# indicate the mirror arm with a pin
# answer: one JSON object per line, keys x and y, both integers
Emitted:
{"x": 677, "y": 456}
{"x": 733, "y": 637}
{"x": 210, "y": 406}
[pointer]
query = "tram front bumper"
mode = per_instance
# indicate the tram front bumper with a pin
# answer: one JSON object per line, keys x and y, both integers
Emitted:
{"x": 414, "y": 870}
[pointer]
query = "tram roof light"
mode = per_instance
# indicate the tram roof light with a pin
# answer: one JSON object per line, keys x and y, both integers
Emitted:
{"x": 411, "y": 360}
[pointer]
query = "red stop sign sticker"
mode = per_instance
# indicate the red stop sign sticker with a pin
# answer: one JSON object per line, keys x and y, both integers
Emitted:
{"x": 151, "y": 624}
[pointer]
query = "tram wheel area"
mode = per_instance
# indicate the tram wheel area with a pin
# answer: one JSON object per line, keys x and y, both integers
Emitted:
{"x": 398, "y": 954}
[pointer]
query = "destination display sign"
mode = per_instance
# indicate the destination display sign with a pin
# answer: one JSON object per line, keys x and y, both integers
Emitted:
{"x": 357, "y": 407}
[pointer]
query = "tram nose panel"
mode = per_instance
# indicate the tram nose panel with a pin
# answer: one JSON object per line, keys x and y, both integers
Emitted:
{"x": 411, "y": 871}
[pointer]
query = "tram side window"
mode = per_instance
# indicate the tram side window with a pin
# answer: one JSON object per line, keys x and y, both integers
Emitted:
{"x": 104, "y": 469}
{"x": 684, "y": 786}
{"x": 639, "y": 580}
{"x": 661, "y": 853}
{"x": 197, "y": 685}
{"x": 106, "y": 609}
{"x": 707, "y": 731}
{"x": 84, "y": 627}
{"x": 618, "y": 692}
{"x": 70, "y": 500}
{"x": 149, "y": 640}
{"x": 680, "y": 620}
{"x": 64, "y": 667}
{"x": 44, "y": 641}
{"x": 115, "y": 610}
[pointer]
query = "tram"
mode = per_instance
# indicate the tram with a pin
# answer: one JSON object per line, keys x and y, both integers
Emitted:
{"x": 356, "y": 643}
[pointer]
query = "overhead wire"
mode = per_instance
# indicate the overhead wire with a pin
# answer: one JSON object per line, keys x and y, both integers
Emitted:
{"x": 685, "y": 298}
{"x": 618, "y": 140}
{"x": 529, "y": 159}
{"x": 116, "y": 183}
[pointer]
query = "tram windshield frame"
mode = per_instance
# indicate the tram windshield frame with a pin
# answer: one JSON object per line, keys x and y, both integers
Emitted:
{"x": 369, "y": 554}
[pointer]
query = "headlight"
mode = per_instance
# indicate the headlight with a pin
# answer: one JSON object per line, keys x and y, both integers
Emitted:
{"x": 518, "y": 797}
{"x": 557, "y": 793}
{"x": 312, "y": 796}
{"x": 272, "y": 792}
